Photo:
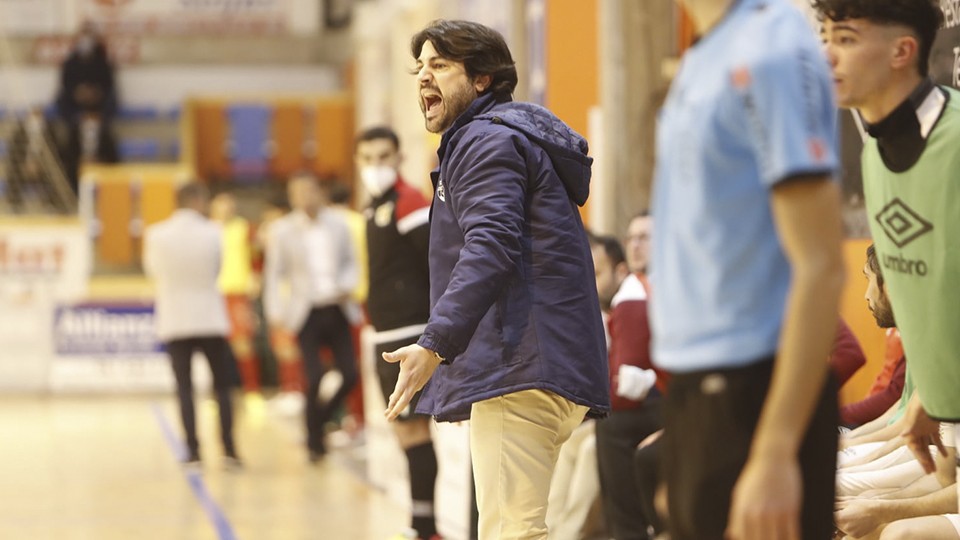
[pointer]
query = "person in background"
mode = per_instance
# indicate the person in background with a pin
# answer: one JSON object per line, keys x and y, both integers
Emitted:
{"x": 340, "y": 200}
{"x": 279, "y": 343}
{"x": 310, "y": 272}
{"x": 880, "y": 55}
{"x": 182, "y": 256}
{"x": 636, "y": 399}
{"x": 87, "y": 102}
{"x": 890, "y": 381}
{"x": 398, "y": 236}
{"x": 236, "y": 284}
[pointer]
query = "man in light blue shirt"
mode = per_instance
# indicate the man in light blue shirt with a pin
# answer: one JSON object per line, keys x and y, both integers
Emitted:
{"x": 747, "y": 276}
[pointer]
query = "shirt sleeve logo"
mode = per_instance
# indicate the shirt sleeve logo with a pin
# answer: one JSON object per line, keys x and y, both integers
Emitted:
{"x": 901, "y": 223}
{"x": 740, "y": 78}
{"x": 818, "y": 149}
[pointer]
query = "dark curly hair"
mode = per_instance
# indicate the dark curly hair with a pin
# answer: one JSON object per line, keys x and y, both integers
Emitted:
{"x": 874, "y": 264}
{"x": 924, "y": 17}
{"x": 481, "y": 49}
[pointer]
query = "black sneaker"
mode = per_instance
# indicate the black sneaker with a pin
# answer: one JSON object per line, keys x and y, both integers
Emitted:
{"x": 232, "y": 463}
{"x": 315, "y": 456}
{"x": 192, "y": 461}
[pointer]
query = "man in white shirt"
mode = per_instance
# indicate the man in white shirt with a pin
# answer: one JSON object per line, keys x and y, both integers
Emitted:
{"x": 309, "y": 272}
{"x": 182, "y": 255}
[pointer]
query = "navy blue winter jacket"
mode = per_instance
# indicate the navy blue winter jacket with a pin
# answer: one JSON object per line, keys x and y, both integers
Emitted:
{"x": 513, "y": 293}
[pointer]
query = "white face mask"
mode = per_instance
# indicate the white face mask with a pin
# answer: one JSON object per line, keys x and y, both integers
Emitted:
{"x": 378, "y": 179}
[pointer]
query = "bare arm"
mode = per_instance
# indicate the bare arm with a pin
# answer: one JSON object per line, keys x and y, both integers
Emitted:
{"x": 887, "y": 447}
{"x": 806, "y": 213}
{"x": 881, "y": 435}
{"x": 862, "y": 516}
{"x": 856, "y": 436}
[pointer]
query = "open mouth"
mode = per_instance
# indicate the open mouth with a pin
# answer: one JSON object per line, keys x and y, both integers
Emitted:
{"x": 432, "y": 104}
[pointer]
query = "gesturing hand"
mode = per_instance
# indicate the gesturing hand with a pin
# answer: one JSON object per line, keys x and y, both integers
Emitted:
{"x": 417, "y": 365}
{"x": 920, "y": 432}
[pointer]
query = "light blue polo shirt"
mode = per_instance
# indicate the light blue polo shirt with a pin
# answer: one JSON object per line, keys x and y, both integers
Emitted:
{"x": 751, "y": 106}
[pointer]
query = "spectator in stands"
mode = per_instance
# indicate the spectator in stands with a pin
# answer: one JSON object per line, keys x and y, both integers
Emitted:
{"x": 397, "y": 237}
{"x": 889, "y": 385}
{"x": 309, "y": 275}
{"x": 87, "y": 102}
{"x": 635, "y": 411}
{"x": 236, "y": 284}
{"x": 182, "y": 255}
{"x": 34, "y": 164}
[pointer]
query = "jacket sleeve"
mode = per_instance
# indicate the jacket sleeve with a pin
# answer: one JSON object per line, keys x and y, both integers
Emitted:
{"x": 873, "y": 406}
{"x": 274, "y": 273}
{"x": 486, "y": 188}
{"x": 847, "y": 356}
{"x": 630, "y": 329}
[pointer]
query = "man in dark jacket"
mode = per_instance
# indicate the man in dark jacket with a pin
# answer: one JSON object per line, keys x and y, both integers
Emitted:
{"x": 515, "y": 340}
{"x": 87, "y": 102}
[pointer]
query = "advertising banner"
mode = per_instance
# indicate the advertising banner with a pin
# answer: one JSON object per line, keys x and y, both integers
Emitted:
{"x": 109, "y": 346}
{"x": 41, "y": 263}
{"x": 189, "y": 16}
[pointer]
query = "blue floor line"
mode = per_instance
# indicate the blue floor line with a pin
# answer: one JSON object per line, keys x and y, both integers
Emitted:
{"x": 195, "y": 479}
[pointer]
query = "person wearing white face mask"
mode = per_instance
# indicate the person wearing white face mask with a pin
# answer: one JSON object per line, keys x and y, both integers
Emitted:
{"x": 398, "y": 303}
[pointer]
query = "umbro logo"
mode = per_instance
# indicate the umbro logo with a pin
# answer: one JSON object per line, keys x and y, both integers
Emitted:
{"x": 901, "y": 223}
{"x": 441, "y": 193}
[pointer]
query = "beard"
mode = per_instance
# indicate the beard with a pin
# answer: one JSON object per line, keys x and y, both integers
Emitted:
{"x": 883, "y": 313}
{"x": 454, "y": 104}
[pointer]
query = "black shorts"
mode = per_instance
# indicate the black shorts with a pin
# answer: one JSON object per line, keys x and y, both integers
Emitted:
{"x": 710, "y": 418}
{"x": 388, "y": 374}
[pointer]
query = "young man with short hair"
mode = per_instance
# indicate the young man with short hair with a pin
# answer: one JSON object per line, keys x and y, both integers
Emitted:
{"x": 879, "y": 51}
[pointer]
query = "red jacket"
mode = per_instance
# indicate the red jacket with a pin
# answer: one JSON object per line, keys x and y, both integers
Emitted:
{"x": 629, "y": 329}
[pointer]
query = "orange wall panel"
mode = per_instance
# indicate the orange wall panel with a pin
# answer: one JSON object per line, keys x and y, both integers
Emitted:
{"x": 573, "y": 76}
{"x": 572, "y": 52}
{"x": 210, "y": 135}
{"x": 288, "y": 131}
{"x": 114, "y": 210}
{"x": 158, "y": 199}
{"x": 333, "y": 131}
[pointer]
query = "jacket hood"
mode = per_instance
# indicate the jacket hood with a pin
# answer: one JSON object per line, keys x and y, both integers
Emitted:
{"x": 566, "y": 148}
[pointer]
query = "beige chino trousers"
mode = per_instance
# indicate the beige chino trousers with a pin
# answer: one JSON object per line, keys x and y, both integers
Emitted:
{"x": 514, "y": 441}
